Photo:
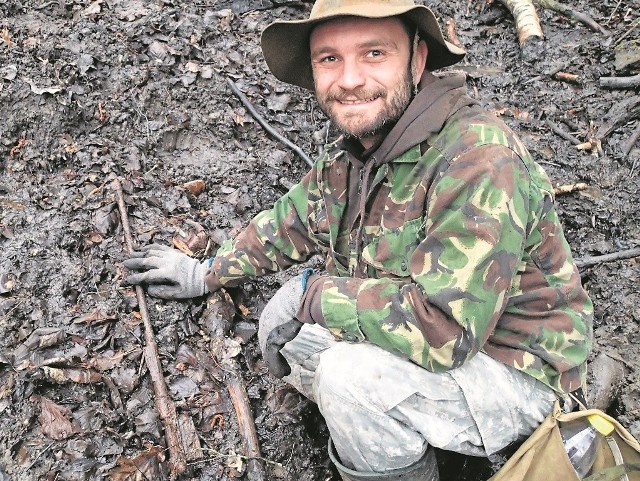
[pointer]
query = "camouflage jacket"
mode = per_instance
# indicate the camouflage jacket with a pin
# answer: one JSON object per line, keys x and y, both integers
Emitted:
{"x": 442, "y": 242}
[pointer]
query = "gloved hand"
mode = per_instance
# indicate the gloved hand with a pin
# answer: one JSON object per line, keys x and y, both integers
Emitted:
{"x": 168, "y": 273}
{"x": 278, "y": 324}
{"x": 277, "y": 338}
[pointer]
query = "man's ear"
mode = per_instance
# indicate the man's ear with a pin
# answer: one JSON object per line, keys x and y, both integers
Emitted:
{"x": 419, "y": 60}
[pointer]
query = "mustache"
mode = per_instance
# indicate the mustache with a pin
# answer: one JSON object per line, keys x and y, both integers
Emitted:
{"x": 359, "y": 94}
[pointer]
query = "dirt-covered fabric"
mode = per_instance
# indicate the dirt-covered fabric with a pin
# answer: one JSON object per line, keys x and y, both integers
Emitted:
{"x": 456, "y": 248}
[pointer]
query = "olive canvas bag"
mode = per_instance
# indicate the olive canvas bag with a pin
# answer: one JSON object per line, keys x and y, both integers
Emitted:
{"x": 542, "y": 456}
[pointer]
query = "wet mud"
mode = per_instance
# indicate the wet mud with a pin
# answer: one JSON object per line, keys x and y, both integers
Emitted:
{"x": 91, "y": 91}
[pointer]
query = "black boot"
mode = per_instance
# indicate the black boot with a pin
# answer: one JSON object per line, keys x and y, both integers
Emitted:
{"x": 425, "y": 469}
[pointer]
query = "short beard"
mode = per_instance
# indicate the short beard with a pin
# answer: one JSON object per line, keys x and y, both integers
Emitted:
{"x": 385, "y": 120}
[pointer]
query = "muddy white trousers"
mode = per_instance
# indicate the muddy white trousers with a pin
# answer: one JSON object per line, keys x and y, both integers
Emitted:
{"x": 383, "y": 411}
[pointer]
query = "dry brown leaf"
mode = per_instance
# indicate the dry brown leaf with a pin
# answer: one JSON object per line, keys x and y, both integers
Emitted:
{"x": 96, "y": 316}
{"x": 6, "y": 388}
{"x": 91, "y": 239}
{"x": 182, "y": 246}
{"x": 104, "y": 363}
{"x": 6, "y": 37}
{"x": 54, "y": 420}
{"x": 16, "y": 148}
{"x": 239, "y": 119}
{"x": 244, "y": 310}
{"x": 141, "y": 468}
{"x": 196, "y": 187}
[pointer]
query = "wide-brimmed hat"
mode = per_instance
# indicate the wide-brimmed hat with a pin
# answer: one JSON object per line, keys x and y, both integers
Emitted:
{"x": 285, "y": 44}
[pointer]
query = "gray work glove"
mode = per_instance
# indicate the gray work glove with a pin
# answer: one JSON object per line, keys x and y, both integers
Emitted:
{"x": 278, "y": 324}
{"x": 167, "y": 272}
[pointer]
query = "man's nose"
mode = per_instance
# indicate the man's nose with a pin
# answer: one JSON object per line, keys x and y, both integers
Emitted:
{"x": 352, "y": 75}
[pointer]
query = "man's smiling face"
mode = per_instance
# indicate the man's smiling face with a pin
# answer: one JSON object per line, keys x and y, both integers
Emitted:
{"x": 362, "y": 73}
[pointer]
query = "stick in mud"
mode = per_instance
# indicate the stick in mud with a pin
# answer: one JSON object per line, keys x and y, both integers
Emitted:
{"x": 246, "y": 425}
{"x": 164, "y": 404}
{"x": 265, "y": 125}
{"x": 567, "y": 11}
{"x": 556, "y": 129}
{"x": 620, "y": 82}
{"x": 614, "y": 256}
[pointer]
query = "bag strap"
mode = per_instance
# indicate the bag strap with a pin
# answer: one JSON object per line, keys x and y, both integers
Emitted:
{"x": 614, "y": 473}
{"x": 579, "y": 397}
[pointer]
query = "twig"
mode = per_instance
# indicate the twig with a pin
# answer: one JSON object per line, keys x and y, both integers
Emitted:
{"x": 526, "y": 18}
{"x": 265, "y": 125}
{"x": 614, "y": 256}
{"x": 246, "y": 425}
{"x": 619, "y": 113}
{"x": 217, "y": 454}
{"x": 568, "y": 188}
{"x": 45, "y": 5}
{"x": 565, "y": 135}
{"x": 573, "y": 14}
{"x": 628, "y": 32}
{"x": 614, "y": 11}
{"x": 164, "y": 404}
{"x": 40, "y": 454}
{"x": 628, "y": 145}
{"x": 567, "y": 77}
{"x": 620, "y": 82}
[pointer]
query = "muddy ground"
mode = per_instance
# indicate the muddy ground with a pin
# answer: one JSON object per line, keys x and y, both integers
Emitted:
{"x": 137, "y": 90}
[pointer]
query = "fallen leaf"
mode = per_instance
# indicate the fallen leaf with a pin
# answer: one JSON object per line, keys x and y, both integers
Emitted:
{"x": 6, "y": 283}
{"x": 235, "y": 461}
{"x": 91, "y": 239}
{"x": 182, "y": 246}
{"x": 6, "y": 387}
{"x": 278, "y": 102}
{"x": 142, "y": 467}
{"x": 238, "y": 119}
{"x": 54, "y": 420}
{"x": 9, "y": 72}
{"x": 196, "y": 187}
{"x": 244, "y": 310}
{"x": 93, "y": 8}
{"x": 42, "y": 90}
{"x": 105, "y": 219}
{"x": 104, "y": 363}
{"x": 189, "y": 437}
{"x": 183, "y": 387}
{"x": 192, "y": 66}
{"x": 96, "y": 316}
{"x": 6, "y": 37}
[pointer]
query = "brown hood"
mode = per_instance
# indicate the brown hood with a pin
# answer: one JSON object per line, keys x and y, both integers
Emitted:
{"x": 437, "y": 99}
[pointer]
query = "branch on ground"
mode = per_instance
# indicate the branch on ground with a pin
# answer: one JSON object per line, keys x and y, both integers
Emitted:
{"x": 569, "y": 12}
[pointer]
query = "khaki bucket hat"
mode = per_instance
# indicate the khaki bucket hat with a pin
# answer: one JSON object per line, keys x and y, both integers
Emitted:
{"x": 285, "y": 44}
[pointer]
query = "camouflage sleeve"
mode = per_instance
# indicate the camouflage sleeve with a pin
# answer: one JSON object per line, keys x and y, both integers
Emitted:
{"x": 275, "y": 239}
{"x": 474, "y": 234}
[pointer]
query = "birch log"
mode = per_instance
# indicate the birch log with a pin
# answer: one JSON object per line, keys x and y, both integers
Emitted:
{"x": 526, "y": 18}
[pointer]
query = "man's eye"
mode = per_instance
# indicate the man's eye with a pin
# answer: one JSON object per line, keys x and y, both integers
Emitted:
{"x": 375, "y": 53}
{"x": 328, "y": 59}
